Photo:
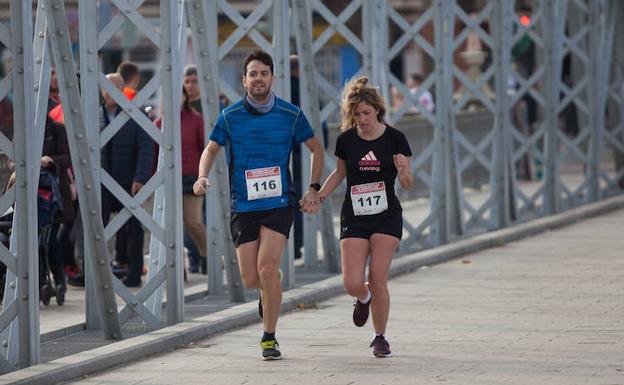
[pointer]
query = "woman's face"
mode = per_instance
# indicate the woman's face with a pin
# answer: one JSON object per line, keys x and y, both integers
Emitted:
{"x": 365, "y": 116}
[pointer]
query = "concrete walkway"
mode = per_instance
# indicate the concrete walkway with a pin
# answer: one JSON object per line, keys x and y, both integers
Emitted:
{"x": 544, "y": 310}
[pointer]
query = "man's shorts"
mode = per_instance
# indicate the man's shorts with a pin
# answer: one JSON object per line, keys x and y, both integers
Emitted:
{"x": 245, "y": 227}
{"x": 365, "y": 226}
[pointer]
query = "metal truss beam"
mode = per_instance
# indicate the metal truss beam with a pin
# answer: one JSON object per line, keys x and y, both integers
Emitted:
{"x": 302, "y": 15}
{"x": 501, "y": 176}
{"x": 27, "y": 161}
{"x": 203, "y": 21}
{"x": 80, "y": 149}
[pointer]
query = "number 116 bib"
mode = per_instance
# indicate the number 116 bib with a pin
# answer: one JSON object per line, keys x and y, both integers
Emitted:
{"x": 369, "y": 198}
{"x": 263, "y": 183}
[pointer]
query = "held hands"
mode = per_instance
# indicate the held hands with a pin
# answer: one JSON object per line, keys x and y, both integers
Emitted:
{"x": 201, "y": 185}
{"x": 310, "y": 202}
{"x": 402, "y": 164}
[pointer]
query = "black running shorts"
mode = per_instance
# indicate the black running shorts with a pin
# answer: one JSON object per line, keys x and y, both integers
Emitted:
{"x": 245, "y": 227}
{"x": 365, "y": 226}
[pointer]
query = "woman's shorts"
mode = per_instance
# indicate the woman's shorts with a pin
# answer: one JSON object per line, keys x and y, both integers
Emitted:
{"x": 245, "y": 227}
{"x": 365, "y": 226}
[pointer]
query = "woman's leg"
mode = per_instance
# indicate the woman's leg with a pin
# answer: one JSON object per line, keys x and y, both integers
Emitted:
{"x": 383, "y": 247}
{"x": 192, "y": 216}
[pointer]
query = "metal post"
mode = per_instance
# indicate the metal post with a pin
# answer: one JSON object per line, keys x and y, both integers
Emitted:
{"x": 281, "y": 53}
{"x": 90, "y": 105}
{"x": 302, "y": 15}
{"x": 368, "y": 19}
{"x": 26, "y": 161}
{"x": 310, "y": 222}
{"x": 601, "y": 53}
{"x": 172, "y": 83}
{"x": 80, "y": 150}
{"x": 157, "y": 250}
{"x": 9, "y": 358}
{"x": 445, "y": 204}
{"x": 617, "y": 106}
{"x": 502, "y": 190}
{"x": 379, "y": 44}
{"x": 553, "y": 31}
{"x": 308, "y": 100}
{"x": 203, "y": 19}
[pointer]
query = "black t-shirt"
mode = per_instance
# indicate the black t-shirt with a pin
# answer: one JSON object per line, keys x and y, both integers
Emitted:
{"x": 369, "y": 163}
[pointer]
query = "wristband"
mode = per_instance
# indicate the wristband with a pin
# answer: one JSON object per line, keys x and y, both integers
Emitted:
{"x": 315, "y": 186}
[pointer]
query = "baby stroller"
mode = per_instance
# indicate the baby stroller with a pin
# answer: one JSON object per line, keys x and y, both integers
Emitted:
{"x": 49, "y": 209}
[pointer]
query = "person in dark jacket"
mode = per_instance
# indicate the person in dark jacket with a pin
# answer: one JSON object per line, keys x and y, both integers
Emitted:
{"x": 56, "y": 157}
{"x": 127, "y": 157}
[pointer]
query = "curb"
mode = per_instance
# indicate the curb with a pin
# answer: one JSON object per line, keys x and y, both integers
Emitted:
{"x": 158, "y": 341}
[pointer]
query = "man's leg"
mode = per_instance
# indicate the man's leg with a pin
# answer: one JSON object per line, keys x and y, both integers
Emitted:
{"x": 271, "y": 245}
{"x": 247, "y": 254}
{"x": 193, "y": 253}
{"x": 134, "y": 249}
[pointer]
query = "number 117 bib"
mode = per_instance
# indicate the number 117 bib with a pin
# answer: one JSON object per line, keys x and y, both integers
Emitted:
{"x": 263, "y": 183}
{"x": 369, "y": 198}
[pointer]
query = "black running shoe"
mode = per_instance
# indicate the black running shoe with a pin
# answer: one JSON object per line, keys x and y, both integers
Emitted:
{"x": 270, "y": 350}
{"x": 360, "y": 312}
{"x": 381, "y": 347}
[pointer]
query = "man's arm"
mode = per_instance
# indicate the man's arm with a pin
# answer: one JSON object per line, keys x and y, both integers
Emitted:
{"x": 310, "y": 201}
{"x": 145, "y": 154}
{"x": 208, "y": 157}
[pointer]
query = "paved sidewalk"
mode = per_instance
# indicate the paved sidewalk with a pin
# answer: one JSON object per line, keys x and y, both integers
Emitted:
{"x": 545, "y": 310}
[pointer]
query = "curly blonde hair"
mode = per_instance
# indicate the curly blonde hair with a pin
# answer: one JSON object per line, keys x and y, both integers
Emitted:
{"x": 356, "y": 91}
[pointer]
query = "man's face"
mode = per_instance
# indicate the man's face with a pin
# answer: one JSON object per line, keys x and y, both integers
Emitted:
{"x": 118, "y": 83}
{"x": 191, "y": 85}
{"x": 258, "y": 80}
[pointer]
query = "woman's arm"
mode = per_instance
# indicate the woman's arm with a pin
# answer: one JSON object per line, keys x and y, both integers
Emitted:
{"x": 334, "y": 179}
{"x": 404, "y": 172}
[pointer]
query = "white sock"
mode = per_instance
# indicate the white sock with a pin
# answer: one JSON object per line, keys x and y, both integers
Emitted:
{"x": 366, "y": 299}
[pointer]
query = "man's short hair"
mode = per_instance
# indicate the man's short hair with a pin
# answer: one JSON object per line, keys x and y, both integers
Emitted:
{"x": 259, "y": 55}
{"x": 128, "y": 70}
{"x": 190, "y": 69}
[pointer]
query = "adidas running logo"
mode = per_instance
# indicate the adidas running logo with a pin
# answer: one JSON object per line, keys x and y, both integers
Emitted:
{"x": 369, "y": 162}
{"x": 369, "y": 156}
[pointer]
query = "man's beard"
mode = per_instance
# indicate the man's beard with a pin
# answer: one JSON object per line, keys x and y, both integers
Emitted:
{"x": 259, "y": 95}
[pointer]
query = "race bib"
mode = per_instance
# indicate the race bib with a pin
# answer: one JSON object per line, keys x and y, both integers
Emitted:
{"x": 263, "y": 183}
{"x": 369, "y": 198}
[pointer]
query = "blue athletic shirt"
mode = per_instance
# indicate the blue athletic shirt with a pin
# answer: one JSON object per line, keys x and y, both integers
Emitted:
{"x": 253, "y": 140}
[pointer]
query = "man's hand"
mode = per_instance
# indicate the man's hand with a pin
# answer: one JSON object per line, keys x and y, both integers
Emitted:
{"x": 46, "y": 161}
{"x": 310, "y": 202}
{"x": 201, "y": 185}
{"x": 136, "y": 186}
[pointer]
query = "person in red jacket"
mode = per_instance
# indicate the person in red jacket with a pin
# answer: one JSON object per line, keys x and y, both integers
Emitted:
{"x": 192, "y": 127}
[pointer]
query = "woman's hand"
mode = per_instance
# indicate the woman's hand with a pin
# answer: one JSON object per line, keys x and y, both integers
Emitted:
{"x": 310, "y": 202}
{"x": 402, "y": 164}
